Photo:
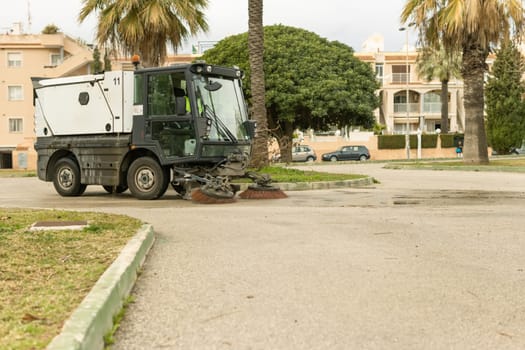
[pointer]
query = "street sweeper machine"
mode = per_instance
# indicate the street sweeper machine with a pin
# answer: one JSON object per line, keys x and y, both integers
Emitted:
{"x": 144, "y": 129}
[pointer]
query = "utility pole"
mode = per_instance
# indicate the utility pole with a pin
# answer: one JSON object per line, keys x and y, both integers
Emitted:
{"x": 407, "y": 78}
{"x": 29, "y": 17}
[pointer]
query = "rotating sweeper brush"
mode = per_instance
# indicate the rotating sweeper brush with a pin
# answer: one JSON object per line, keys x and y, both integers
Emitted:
{"x": 216, "y": 190}
{"x": 262, "y": 189}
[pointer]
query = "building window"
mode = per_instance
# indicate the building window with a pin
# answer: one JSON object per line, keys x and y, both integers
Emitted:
{"x": 400, "y": 74}
{"x": 16, "y": 125}
{"x": 379, "y": 70}
{"x": 14, "y": 93}
{"x": 14, "y": 60}
{"x": 56, "y": 59}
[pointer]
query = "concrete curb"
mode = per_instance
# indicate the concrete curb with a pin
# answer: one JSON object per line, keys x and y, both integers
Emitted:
{"x": 321, "y": 185}
{"x": 88, "y": 324}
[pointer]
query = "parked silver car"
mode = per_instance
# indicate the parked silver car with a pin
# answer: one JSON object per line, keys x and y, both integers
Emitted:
{"x": 303, "y": 153}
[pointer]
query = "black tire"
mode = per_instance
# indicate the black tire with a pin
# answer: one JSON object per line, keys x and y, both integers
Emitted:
{"x": 147, "y": 179}
{"x": 82, "y": 189}
{"x": 363, "y": 158}
{"x": 333, "y": 159}
{"x": 115, "y": 189}
{"x": 66, "y": 178}
{"x": 167, "y": 180}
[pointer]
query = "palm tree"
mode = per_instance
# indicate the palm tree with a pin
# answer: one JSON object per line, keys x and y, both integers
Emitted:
{"x": 437, "y": 63}
{"x": 471, "y": 27}
{"x": 256, "y": 52}
{"x": 145, "y": 26}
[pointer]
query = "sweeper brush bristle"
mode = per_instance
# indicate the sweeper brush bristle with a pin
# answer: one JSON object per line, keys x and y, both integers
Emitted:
{"x": 263, "y": 193}
{"x": 203, "y": 198}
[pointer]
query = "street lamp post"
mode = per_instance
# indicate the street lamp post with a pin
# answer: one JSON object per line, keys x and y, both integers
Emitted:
{"x": 407, "y": 77}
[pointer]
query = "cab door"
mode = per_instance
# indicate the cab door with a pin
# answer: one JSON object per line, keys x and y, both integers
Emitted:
{"x": 170, "y": 123}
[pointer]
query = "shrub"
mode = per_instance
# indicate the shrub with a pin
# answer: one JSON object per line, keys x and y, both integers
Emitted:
{"x": 390, "y": 141}
{"x": 451, "y": 140}
{"x": 398, "y": 141}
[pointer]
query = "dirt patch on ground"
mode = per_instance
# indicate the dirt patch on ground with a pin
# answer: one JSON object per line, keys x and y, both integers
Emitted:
{"x": 458, "y": 197}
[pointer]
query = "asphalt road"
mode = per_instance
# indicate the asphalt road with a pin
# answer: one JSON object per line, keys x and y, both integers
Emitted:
{"x": 422, "y": 260}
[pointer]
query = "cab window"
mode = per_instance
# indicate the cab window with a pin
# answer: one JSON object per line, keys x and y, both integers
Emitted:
{"x": 162, "y": 92}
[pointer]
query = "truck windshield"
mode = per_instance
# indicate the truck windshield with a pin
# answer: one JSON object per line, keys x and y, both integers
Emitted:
{"x": 222, "y": 101}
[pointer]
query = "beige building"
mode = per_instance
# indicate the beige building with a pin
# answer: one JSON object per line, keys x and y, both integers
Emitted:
{"x": 407, "y": 100}
{"x": 23, "y": 56}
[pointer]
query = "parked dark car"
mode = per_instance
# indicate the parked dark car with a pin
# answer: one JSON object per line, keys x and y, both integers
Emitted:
{"x": 348, "y": 153}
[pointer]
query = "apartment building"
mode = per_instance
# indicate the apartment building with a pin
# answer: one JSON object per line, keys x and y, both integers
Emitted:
{"x": 23, "y": 56}
{"x": 408, "y": 100}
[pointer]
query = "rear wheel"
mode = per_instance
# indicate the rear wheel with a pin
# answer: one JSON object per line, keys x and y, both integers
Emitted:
{"x": 363, "y": 158}
{"x": 310, "y": 159}
{"x": 147, "y": 179}
{"x": 66, "y": 178}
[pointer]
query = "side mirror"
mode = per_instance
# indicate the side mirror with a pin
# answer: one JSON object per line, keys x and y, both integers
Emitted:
{"x": 250, "y": 126}
{"x": 213, "y": 86}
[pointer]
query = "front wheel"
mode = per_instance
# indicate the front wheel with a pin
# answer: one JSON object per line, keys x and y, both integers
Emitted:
{"x": 147, "y": 179}
{"x": 66, "y": 178}
{"x": 333, "y": 159}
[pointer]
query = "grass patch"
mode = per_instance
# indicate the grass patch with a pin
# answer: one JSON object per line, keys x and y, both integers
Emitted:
{"x": 284, "y": 174}
{"x": 117, "y": 319}
{"x": 504, "y": 165}
{"x": 45, "y": 274}
{"x": 16, "y": 173}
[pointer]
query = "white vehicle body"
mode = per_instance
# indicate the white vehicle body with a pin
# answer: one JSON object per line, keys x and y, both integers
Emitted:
{"x": 91, "y": 104}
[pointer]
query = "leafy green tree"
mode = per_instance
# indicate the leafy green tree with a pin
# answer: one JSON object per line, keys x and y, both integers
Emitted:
{"x": 310, "y": 81}
{"x": 50, "y": 29}
{"x": 145, "y": 27}
{"x": 504, "y": 97}
{"x": 256, "y": 53}
{"x": 438, "y": 63}
{"x": 471, "y": 27}
{"x": 96, "y": 65}
{"x": 107, "y": 62}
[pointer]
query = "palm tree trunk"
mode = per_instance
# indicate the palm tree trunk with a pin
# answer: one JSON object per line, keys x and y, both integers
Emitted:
{"x": 256, "y": 52}
{"x": 444, "y": 106}
{"x": 475, "y": 149}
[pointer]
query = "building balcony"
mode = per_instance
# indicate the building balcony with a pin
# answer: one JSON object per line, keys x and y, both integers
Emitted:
{"x": 433, "y": 107}
{"x": 400, "y": 78}
{"x": 402, "y": 107}
{"x": 415, "y": 107}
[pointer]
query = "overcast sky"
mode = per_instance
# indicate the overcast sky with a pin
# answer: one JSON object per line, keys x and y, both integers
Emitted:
{"x": 348, "y": 21}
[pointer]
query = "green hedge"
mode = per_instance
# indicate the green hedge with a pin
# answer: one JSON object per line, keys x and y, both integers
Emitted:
{"x": 398, "y": 141}
{"x": 390, "y": 141}
{"x": 451, "y": 140}
{"x": 427, "y": 141}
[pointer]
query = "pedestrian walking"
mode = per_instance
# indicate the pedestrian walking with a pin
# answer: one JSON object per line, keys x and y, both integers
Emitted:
{"x": 459, "y": 150}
